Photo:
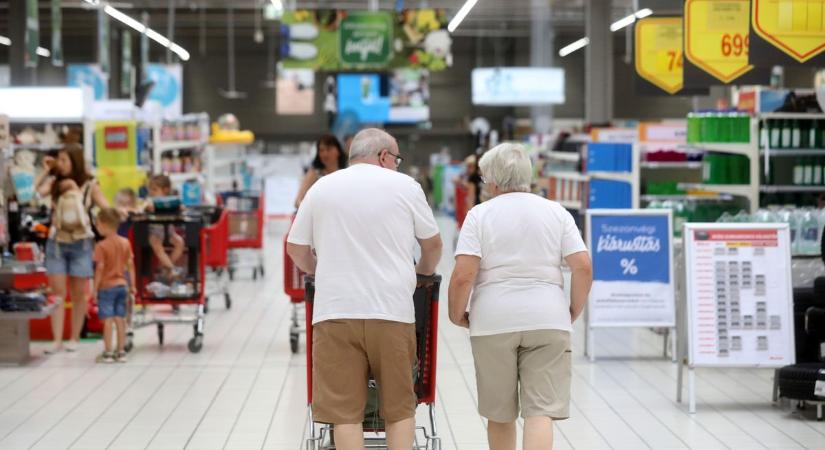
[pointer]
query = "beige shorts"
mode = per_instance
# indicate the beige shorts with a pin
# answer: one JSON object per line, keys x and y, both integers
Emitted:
{"x": 530, "y": 368}
{"x": 345, "y": 352}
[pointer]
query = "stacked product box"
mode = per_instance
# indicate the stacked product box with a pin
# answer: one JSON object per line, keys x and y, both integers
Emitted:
{"x": 610, "y": 157}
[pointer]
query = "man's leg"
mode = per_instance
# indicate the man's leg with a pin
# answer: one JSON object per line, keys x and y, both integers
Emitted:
{"x": 350, "y": 436}
{"x": 538, "y": 433}
{"x": 502, "y": 436}
{"x": 400, "y": 435}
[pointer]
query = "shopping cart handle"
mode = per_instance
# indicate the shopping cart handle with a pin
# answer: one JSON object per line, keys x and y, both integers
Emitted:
{"x": 427, "y": 280}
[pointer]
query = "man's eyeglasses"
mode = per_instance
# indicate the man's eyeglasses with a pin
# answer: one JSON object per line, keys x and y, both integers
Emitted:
{"x": 398, "y": 158}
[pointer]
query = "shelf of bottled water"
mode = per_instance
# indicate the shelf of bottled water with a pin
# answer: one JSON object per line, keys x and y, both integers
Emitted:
{"x": 805, "y": 224}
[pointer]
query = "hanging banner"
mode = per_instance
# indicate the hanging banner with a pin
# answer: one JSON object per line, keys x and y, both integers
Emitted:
{"x": 88, "y": 75}
{"x": 787, "y": 32}
{"x": 739, "y": 295}
{"x": 57, "y": 34}
{"x": 717, "y": 36}
{"x": 336, "y": 40}
{"x": 658, "y": 43}
{"x": 126, "y": 68}
{"x": 166, "y": 97}
{"x": 144, "y": 49}
{"x": 295, "y": 92}
{"x": 103, "y": 40}
{"x": 32, "y": 34}
{"x": 632, "y": 268}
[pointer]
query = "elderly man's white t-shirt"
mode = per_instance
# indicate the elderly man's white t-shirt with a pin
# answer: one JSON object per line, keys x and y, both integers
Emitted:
{"x": 363, "y": 222}
{"x": 521, "y": 239}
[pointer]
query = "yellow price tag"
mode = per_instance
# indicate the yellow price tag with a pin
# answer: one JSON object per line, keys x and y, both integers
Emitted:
{"x": 659, "y": 52}
{"x": 717, "y": 37}
{"x": 796, "y": 27}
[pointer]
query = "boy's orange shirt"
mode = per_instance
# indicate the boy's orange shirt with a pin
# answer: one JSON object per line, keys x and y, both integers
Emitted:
{"x": 114, "y": 253}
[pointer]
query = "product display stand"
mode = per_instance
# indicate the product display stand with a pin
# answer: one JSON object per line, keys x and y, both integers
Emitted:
{"x": 735, "y": 308}
{"x": 770, "y": 154}
{"x": 164, "y": 142}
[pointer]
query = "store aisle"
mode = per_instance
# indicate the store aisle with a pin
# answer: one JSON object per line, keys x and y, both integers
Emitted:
{"x": 245, "y": 390}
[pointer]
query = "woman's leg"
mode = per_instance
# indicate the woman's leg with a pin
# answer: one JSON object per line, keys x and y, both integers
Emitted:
{"x": 57, "y": 283}
{"x": 502, "y": 436}
{"x": 79, "y": 288}
{"x": 538, "y": 433}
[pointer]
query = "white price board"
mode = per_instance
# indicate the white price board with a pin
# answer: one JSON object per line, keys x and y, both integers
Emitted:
{"x": 632, "y": 268}
{"x": 739, "y": 295}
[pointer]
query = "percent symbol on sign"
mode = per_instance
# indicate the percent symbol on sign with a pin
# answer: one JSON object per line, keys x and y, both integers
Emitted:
{"x": 629, "y": 266}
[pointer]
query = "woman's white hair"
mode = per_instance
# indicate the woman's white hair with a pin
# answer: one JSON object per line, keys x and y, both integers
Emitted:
{"x": 369, "y": 142}
{"x": 508, "y": 167}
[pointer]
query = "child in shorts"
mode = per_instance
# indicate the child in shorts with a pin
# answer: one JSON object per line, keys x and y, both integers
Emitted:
{"x": 161, "y": 186}
{"x": 113, "y": 259}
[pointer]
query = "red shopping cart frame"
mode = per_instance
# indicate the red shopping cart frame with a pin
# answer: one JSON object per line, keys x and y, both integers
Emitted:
{"x": 216, "y": 242}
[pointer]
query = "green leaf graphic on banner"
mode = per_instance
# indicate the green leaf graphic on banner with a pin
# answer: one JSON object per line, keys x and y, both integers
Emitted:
{"x": 365, "y": 39}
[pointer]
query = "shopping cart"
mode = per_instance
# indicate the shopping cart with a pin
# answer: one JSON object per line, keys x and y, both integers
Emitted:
{"x": 294, "y": 289}
{"x": 246, "y": 231}
{"x": 425, "y": 299}
{"x": 216, "y": 252}
{"x": 185, "y": 289}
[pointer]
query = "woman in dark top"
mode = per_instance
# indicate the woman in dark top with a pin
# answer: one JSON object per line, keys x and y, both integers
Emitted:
{"x": 473, "y": 182}
{"x": 329, "y": 157}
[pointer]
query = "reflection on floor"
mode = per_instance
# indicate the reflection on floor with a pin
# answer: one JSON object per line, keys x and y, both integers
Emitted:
{"x": 245, "y": 390}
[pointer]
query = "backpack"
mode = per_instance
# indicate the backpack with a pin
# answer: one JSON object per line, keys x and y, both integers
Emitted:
{"x": 72, "y": 221}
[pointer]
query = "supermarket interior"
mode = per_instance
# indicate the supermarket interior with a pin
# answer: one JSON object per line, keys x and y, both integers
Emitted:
{"x": 616, "y": 215}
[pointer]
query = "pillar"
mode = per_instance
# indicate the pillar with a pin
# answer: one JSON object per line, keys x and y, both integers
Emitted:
{"x": 598, "y": 67}
{"x": 542, "y": 46}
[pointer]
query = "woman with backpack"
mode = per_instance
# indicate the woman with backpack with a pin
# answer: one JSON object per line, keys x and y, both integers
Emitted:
{"x": 69, "y": 249}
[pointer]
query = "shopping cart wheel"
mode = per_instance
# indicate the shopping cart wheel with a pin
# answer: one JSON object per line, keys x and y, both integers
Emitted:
{"x": 261, "y": 270}
{"x": 227, "y": 300}
{"x": 206, "y": 305}
{"x": 293, "y": 342}
{"x": 231, "y": 274}
{"x": 160, "y": 333}
{"x": 435, "y": 444}
{"x": 196, "y": 343}
{"x": 254, "y": 274}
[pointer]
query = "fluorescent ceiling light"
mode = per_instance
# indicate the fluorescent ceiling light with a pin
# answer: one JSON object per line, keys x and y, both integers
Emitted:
{"x": 180, "y": 51}
{"x": 626, "y": 21}
{"x": 568, "y": 49}
{"x": 460, "y": 15}
{"x": 157, "y": 37}
{"x": 4, "y": 40}
{"x": 92, "y": 2}
{"x": 117, "y": 15}
{"x": 43, "y": 52}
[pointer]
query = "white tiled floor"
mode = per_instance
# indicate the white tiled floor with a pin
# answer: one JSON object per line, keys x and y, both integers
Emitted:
{"x": 245, "y": 390}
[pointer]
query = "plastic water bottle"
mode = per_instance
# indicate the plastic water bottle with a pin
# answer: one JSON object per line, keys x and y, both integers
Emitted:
{"x": 810, "y": 233}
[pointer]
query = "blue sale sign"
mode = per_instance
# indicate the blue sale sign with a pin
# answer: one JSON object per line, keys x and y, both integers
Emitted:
{"x": 632, "y": 268}
{"x": 630, "y": 248}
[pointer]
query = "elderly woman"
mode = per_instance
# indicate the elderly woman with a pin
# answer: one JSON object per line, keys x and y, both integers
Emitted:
{"x": 509, "y": 255}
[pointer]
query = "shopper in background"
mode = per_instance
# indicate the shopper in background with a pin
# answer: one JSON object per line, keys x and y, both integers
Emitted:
{"x": 364, "y": 222}
{"x": 113, "y": 259}
{"x": 472, "y": 181}
{"x": 69, "y": 256}
{"x": 126, "y": 203}
{"x": 329, "y": 157}
{"x": 509, "y": 255}
{"x": 160, "y": 186}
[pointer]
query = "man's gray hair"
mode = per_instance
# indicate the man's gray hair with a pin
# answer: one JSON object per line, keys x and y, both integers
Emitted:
{"x": 508, "y": 167}
{"x": 369, "y": 142}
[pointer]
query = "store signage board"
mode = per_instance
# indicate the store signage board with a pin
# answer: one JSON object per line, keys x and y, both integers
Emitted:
{"x": 615, "y": 135}
{"x": 664, "y": 133}
{"x": 25, "y": 104}
{"x": 365, "y": 39}
{"x": 739, "y": 295}
{"x": 794, "y": 27}
{"x": 633, "y": 282}
{"x": 658, "y": 45}
{"x": 717, "y": 37}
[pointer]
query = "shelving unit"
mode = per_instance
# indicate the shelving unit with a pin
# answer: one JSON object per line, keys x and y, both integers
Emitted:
{"x": 772, "y": 157}
{"x": 774, "y": 189}
{"x": 573, "y": 157}
{"x": 632, "y": 177}
{"x": 161, "y": 146}
{"x": 687, "y": 165}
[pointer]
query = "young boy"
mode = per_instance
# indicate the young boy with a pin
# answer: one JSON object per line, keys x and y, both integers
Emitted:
{"x": 113, "y": 259}
{"x": 161, "y": 186}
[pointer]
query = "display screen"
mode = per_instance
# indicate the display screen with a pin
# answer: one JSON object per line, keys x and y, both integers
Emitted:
{"x": 401, "y": 96}
{"x": 514, "y": 86}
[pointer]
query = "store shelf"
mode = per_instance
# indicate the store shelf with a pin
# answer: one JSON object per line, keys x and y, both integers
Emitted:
{"x": 791, "y": 188}
{"x": 182, "y": 177}
{"x": 166, "y": 146}
{"x": 564, "y": 156}
{"x": 693, "y": 165}
{"x": 778, "y": 153}
{"x": 744, "y": 190}
{"x": 720, "y": 197}
{"x": 36, "y": 147}
{"x": 575, "y": 176}
{"x": 746, "y": 149}
{"x": 792, "y": 116}
{"x": 570, "y": 204}
{"x": 614, "y": 176}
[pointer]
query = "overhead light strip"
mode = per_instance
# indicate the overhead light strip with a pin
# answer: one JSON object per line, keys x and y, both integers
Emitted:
{"x": 141, "y": 28}
{"x": 615, "y": 26}
{"x": 5, "y": 41}
{"x": 568, "y": 49}
{"x": 460, "y": 15}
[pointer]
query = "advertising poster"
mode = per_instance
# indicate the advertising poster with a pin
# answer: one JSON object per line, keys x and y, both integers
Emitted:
{"x": 632, "y": 268}
{"x": 115, "y": 144}
{"x": 88, "y": 75}
{"x": 166, "y": 97}
{"x": 739, "y": 295}
{"x": 295, "y": 92}
{"x": 402, "y": 96}
{"x": 338, "y": 40}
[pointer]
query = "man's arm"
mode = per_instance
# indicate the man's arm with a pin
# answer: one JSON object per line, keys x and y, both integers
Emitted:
{"x": 430, "y": 255}
{"x": 302, "y": 256}
{"x": 461, "y": 284}
{"x": 582, "y": 278}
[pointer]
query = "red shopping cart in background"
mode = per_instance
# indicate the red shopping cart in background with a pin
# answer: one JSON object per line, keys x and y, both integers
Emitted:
{"x": 425, "y": 300}
{"x": 246, "y": 231}
{"x": 216, "y": 252}
{"x": 294, "y": 289}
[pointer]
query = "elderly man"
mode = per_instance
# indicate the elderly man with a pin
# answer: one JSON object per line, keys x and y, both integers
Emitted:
{"x": 509, "y": 257}
{"x": 363, "y": 223}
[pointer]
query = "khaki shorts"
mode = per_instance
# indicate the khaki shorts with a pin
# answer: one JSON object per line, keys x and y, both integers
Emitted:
{"x": 344, "y": 354}
{"x": 528, "y": 367}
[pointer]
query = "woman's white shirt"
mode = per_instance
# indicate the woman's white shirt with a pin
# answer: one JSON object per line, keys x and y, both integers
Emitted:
{"x": 522, "y": 240}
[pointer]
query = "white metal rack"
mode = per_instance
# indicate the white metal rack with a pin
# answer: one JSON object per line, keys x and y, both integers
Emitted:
{"x": 161, "y": 146}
